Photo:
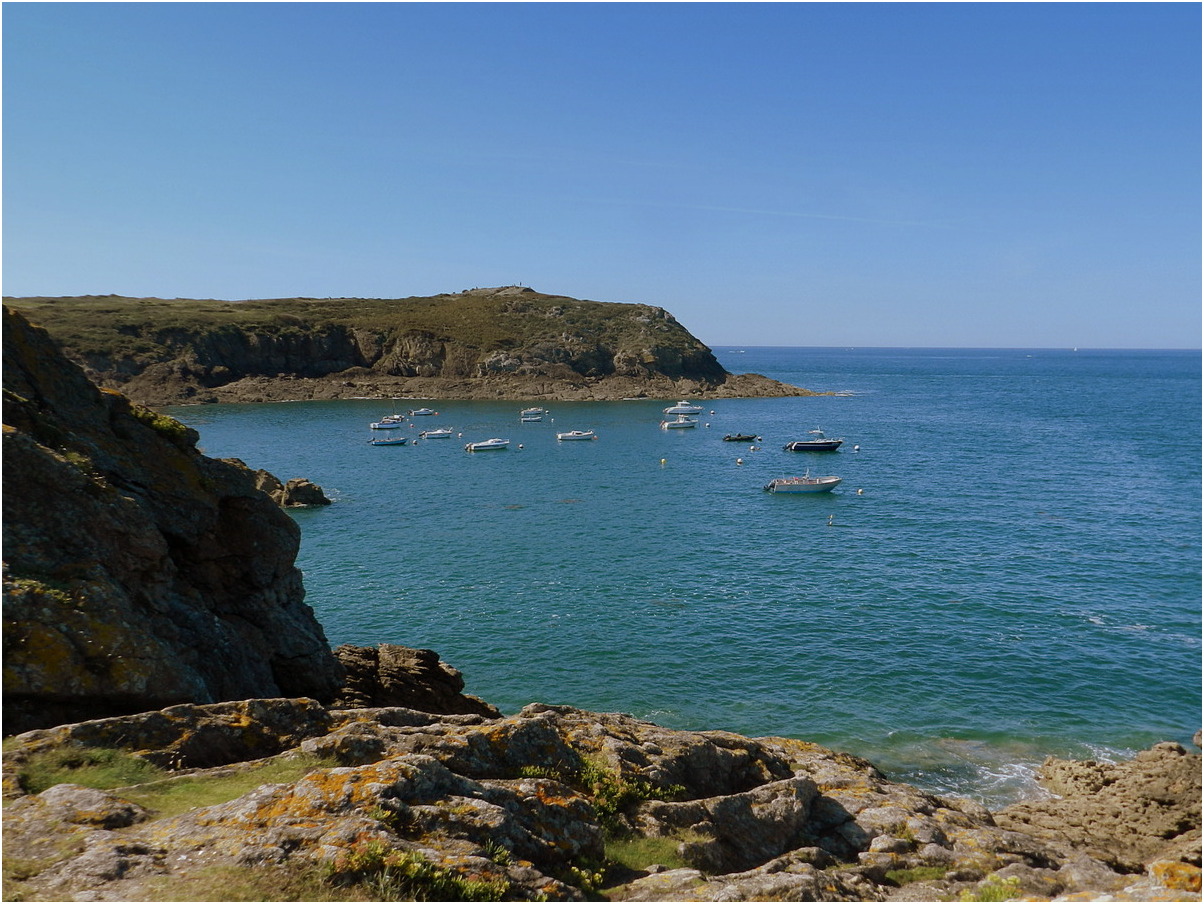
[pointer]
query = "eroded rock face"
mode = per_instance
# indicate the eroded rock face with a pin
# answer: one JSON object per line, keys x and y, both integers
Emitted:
{"x": 1125, "y": 814}
{"x": 533, "y": 803}
{"x": 298, "y": 491}
{"x": 391, "y": 675}
{"x": 138, "y": 573}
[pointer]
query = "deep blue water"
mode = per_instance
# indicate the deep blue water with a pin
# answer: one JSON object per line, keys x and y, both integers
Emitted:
{"x": 1019, "y": 576}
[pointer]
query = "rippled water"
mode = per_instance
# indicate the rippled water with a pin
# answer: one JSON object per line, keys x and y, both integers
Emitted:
{"x": 1019, "y": 575}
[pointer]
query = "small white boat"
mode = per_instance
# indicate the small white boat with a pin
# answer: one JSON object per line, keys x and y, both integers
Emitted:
{"x": 422, "y": 412}
{"x": 682, "y": 421}
{"x": 486, "y": 444}
{"x": 577, "y": 434}
{"x": 441, "y": 433}
{"x": 684, "y": 407}
{"x": 804, "y": 484}
{"x": 388, "y": 422}
{"x": 387, "y": 441}
{"x": 531, "y": 415}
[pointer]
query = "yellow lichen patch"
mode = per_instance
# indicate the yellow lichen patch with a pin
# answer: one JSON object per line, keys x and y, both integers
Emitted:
{"x": 1176, "y": 875}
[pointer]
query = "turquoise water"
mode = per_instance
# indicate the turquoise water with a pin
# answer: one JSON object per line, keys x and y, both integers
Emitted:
{"x": 1019, "y": 575}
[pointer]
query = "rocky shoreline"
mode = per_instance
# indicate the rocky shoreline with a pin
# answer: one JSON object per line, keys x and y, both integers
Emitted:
{"x": 555, "y": 803}
{"x": 287, "y": 388}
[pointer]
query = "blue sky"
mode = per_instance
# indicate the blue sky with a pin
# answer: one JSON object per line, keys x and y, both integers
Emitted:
{"x": 900, "y": 174}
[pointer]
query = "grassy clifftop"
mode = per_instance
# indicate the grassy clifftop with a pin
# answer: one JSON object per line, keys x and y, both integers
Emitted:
{"x": 508, "y": 317}
{"x": 500, "y": 342}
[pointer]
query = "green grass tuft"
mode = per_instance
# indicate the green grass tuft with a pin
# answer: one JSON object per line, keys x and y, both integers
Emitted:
{"x": 92, "y": 767}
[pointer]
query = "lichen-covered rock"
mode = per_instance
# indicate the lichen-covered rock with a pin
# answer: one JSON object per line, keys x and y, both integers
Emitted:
{"x": 531, "y": 804}
{"x": 1126, "y": 814}
{"x": 138, "y": 573}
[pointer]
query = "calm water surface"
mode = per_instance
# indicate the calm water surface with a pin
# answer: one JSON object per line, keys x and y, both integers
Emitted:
{"x": 1018, "y": 576}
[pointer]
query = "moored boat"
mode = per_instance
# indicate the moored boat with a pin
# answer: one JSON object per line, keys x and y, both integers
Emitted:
{"x": 577, "y": 434}
{"x": 819, "y": 443}
{"x": 387, "y": 441}
{"x": 486, "y": 445}
{"x": 684, "y": 407}
{"x": 422, "y": 412}
{"x": 441, "y": 433}
{"x": 804, "y": 484}
{"x": 531, "y": 415}
{"x": 741, "y": 438}
{"x": 682, "y": 421}
{"x": 388, "y": 422}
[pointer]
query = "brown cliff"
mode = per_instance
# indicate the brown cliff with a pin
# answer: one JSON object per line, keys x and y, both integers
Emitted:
{"x": 508, "y": 342}
{"x": 137, "y": 572}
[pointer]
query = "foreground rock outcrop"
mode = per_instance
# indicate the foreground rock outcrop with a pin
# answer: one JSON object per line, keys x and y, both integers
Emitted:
{"x": 505, "y": 342}
{"x": 137, "y": 572}
{"x": 553, "y": 803}
{"x": 296, "y": 492}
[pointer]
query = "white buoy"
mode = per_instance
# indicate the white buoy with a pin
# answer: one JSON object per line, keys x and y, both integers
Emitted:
{"x": 520, "y": 445}
{"x": 739, "y": 461}
{"x": 861, "y": 492}
{"x": 856, "y": 448}
{"x": 662, "y": 462}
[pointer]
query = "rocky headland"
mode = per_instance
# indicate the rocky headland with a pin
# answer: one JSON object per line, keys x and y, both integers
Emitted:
{"x": 177, "y": 728}
{"x": 509, "y": 342}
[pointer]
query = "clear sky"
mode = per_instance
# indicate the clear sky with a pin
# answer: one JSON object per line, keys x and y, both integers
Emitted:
{"x": 899, "y": 174}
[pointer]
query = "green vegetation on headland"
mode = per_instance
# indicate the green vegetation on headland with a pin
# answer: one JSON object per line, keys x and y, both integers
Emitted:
{"x": 508, "y": 342}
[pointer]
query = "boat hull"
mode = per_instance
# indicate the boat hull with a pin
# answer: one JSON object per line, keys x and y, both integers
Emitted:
{"x": 802, "y": 485}
{"x": 575, "y": 435}
{"x": 813, "y": 445}
{"x": 489, "y": 445}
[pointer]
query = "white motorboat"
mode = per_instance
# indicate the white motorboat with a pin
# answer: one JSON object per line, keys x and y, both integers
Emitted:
{"x": 681, "y": 422}
{"x": 388, "y": 422}
{"x": 531, "y": 415}
{"x": 486, "y": 445}
{"x": 441, "y": 433}
{"x": 804, "y": 484}
{"x": 684, "y": 407}
{"x": 422, "y": 412}
{"x": 577, "y": 434}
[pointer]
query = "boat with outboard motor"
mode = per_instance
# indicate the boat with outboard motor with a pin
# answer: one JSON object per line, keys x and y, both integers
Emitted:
{"x": 804, "y": 484}
{"x": 820, "y": 443}
{"x": 486, "y": 445}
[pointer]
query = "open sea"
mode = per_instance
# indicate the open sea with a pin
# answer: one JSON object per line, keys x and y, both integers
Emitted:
{"x": 1010, "y": 569}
